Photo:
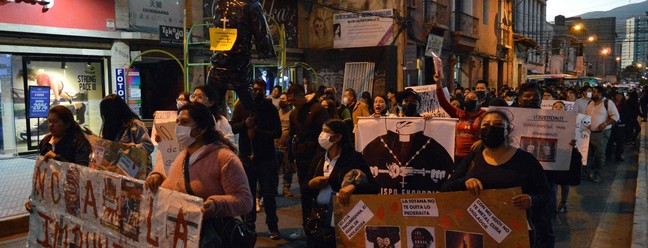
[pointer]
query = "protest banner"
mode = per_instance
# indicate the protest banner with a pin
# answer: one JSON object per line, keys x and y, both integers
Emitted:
{"x": 544, "y": 133}
{"x": 583, "y": 135}
{"x": 407, "y": 155}
{"x": 452, "y": 219}
{"x": 76, "y": 206}
{"x": 548, "y": 104}
{"x": 429, "y": 101}
{"x": 115, "y": 157}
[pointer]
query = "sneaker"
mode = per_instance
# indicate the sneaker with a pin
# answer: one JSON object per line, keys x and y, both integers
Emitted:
{"x": 287, "y": 193}
{"x": 275, "y": 235}
{"x": 299, "y": 234}
{"x": 562, "y": 208}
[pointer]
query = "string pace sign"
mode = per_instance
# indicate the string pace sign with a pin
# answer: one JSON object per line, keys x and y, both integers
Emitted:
{"x": 47, "y": 4}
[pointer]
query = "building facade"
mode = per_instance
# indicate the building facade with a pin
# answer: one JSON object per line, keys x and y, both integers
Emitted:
{"x": 634, "y": 46}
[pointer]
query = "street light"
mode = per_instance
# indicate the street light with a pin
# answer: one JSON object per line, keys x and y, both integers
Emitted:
{"x": 578, "y": 27}
{"x": 591, "y": 39}
{"x": 605, "y": 52}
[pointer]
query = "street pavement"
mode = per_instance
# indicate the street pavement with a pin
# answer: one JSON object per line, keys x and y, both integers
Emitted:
{"x": 599, "y": 214}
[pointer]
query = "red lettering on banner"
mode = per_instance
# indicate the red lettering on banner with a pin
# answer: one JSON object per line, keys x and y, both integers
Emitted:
{"x": 92, "y": 202}
{"x": 78, "y": 234}
{"x": 39, "y": 181}
{"x": 58, "y": 233}
{"x": 47, "y": 219}
{"x": 99, "y": 240}
{"x": 115, "y": 245}
{"x": 151, "y": 241}
{"x": 55, "y": 174}
{"x": 180, "y": 223}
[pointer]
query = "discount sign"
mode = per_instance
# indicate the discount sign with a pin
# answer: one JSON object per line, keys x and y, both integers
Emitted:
{"x": 39, "y": 101}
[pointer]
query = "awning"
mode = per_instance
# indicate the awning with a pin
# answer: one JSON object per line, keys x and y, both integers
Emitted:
{"x": 524, "y": 40}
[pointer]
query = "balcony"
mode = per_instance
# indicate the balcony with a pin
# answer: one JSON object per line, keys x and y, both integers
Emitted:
{"x": 436, "y": 14}
{"x": 466, "y": 24}
{"x": 466, "y": 31}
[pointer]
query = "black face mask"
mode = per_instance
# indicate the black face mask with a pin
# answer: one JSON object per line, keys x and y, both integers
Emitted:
{"x": 596, "y": 98}
{"x": 481, "y": 94}
{"x": 492, "y": 136}
{"x": 471, "y": 105}
{"x": 411, "y": 109}
{"x": 459, "y": 96}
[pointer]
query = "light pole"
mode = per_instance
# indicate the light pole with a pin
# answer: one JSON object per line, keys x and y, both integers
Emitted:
{"x": 605, "y": 52}
{"x": 618, "y": 74}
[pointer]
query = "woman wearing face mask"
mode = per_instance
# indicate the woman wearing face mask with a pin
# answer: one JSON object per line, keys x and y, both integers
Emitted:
{"x": 468, "y": 126}
{"x": 341, "y": 171}
{"x": 209, "y": 160}
{"x": 564, "y": 178}
{"x": 207, "y": 96}
{"x": 499, "y": 166}
{"x": 183, "y": 98}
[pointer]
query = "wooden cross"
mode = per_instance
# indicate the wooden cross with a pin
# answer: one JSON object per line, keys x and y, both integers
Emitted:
{"x": 224, "y": 20}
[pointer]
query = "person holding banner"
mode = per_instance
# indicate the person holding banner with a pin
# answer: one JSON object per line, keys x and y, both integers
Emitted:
{"x": 380, "y": 107}
{"x": 499, "y": 166}
{"x": 340, "y": 172}
{"x": 208, "y": 168}
{"x": 468, "y": 125}
{"x": 65, "y": 142}
{"x": 121, "y": 125}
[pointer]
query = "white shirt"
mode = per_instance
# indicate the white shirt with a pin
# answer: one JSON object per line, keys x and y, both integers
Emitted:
{"x": 580, "y": 105}
{"x": 324, "y": 196}
{"x": 599, "y": 115}
{"x": 224, "y": 127}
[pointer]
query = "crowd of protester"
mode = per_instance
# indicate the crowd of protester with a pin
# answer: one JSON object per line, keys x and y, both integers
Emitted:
{"x": 310, "y": 133}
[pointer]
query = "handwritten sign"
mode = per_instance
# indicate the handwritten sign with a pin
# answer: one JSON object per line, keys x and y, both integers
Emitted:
{"x": 76, "y": 206}
{"x": 488, "y": 221}
{"x": 420, "y": 207}
{"x": 168, "y": 148}
{"x": 357, "y": 218}
{"x": 222, "y": 39}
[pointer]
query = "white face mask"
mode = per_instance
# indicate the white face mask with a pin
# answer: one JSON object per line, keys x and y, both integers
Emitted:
{"x": 324, "y": 140}
{"x": 509, "y": 103}
{"x": 589, "y": 94}
{"x": 183, "y": 134}
{"x": 180, "y": 104}
{"x": 345, "y": 101}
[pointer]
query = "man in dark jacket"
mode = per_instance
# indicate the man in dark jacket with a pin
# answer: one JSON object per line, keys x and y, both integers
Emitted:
{"x": 257, "y": 130}
{"x": 306, "y": 122}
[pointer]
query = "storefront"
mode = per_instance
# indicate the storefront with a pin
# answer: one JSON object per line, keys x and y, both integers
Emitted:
{"x": 51, "y": 47}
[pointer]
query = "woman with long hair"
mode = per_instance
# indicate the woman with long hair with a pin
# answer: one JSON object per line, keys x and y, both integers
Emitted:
{"x": 207, "y": 96}
{"x": 121, "y": 125}
{"x": 500, "y": 166}
{"x": 341, "y": 171}
{"x": 65, "y": 142}
{"x": 214, "y": 171}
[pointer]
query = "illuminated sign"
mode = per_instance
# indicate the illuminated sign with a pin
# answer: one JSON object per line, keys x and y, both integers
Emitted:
{"x": 47, "y": 4}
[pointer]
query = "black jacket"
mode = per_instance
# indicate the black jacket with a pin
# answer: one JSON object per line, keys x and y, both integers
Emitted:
{"x": 267, "y": 129}
{"x": 349, "y": 159}
{"x": 305, "y": 126}
{"x": 71, "y": 148}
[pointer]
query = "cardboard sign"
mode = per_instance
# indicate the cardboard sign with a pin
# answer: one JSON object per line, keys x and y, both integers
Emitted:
{"x": 114, "y": 157}
{"x": 544, "y": 133}
{"x": 168, "y": 148}
{"x": 548, "y": 104}
{"x": 429, "y": 101}
{"x": 76, "y": 206}
{"x": 487, "y": 220}
{"x": 222, "y": 39}
{"x": 407, "y": 155}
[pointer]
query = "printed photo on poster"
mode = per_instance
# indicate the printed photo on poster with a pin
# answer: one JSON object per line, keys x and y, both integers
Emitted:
{"x": 72, "y": 192}
{"x": 420, "y": 237}
{"x": 382, "y": 236}
{"x": 459, "y": 239}
{"x": 398, "y": 152}
{"x": 110, "y": 216}
{"x": 543, "y": 149}
{"x": 130, "y": 207}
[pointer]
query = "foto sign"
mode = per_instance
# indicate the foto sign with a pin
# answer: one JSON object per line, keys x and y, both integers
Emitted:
{"x": 39, "y": 101}
{"x": 121, "y": 83}
{"x": 171, "y": 35}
